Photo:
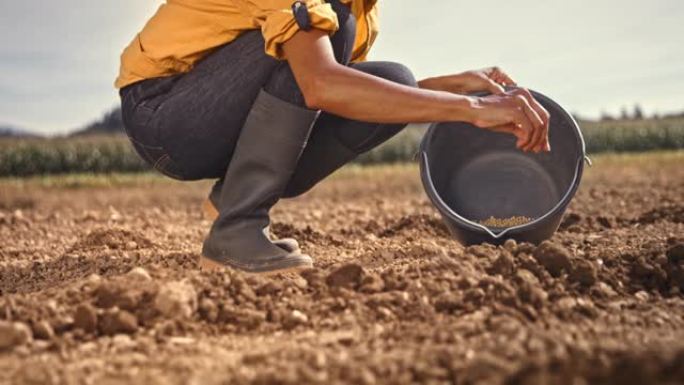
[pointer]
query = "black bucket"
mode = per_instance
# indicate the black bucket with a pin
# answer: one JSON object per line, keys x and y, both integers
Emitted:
{"x": 471, "y": 174}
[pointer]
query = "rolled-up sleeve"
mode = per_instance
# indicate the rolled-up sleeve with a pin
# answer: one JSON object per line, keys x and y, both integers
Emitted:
{"x": 277, "y": 22}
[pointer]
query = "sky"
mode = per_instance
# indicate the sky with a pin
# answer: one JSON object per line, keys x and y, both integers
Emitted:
{"x": 59, "y": 58}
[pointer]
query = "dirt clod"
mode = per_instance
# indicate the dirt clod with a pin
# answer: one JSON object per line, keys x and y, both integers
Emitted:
{"x": 139, "y": 273}
{"x": 554, "y": 257}
{"x": 448, "y": 302}
{"x": 371, "y": 283}
{"x": 176, "y": 299}
{"x": 675, "y": 253}
{"x": 584, "y": 272}
{"x": 504, "y": 264}
{"x": 243, "y": 318}
{"x": 526, "y": 277}
{"x": 118, "y": 293}
{"x": 294, "y": 319}
{"x": 43, "y": 330}
{"x": 347, "y": 276}
{"x": 117, "y": 321}
{"x": 511, "y": 245}
{"x": 208, "y": 309}
{"x": 13, "y": 334}
{"x": 85, "y": 318}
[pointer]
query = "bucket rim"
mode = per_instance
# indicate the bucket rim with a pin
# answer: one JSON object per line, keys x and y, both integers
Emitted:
{"x": 444, "y": 209}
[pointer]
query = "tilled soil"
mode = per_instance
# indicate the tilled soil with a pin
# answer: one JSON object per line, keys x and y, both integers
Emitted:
{"x": 101, "y": 286}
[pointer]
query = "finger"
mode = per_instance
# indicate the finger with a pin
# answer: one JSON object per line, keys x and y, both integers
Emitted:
{"x": 500, "y": 76}
{"x": 539, "y": 137}
{"x": 535, "y": 121}
{"x": 514, "y": 130}
{"x": 523, "y": 124}
{"x": 508, "y": 80}
{"x": 521, "y": 136}
{"x": 546, "y": 117}
{"x": 543, "y": 114}
{"x": 545, "y": 145}
{"x": 494, "y": 87}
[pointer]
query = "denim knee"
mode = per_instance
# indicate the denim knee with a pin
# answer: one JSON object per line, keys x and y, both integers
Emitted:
{"x": 282, "y": 84}
{"x": 392, "y": 71}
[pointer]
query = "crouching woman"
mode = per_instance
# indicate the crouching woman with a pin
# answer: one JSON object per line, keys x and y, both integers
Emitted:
{"x": 270, "y": 97}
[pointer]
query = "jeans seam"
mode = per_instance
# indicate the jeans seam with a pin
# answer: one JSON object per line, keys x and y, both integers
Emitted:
{"x": 156, "y": 164}
{"x": 148, "y": 147}
{"x": 160, "y": 164}
{"x": 144, "y": 154}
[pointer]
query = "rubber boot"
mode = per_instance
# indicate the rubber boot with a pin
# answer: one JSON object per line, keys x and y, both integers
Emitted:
{"x": 210, "y": 208}
{"x": 265, "y": 156}
{"x": 324, "y": 155}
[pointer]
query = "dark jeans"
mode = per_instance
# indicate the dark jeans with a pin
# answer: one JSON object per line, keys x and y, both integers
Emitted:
{"x": 186, "y": 125}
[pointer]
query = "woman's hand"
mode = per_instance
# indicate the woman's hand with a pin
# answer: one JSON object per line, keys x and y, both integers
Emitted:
{"x": 515, "y": 112}
{"x": 492, "y": 80}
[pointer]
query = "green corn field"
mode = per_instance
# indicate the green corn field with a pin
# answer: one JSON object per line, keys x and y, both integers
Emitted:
{"x": 113, "y": 153}
{"x": 634, "y": 135}
{"x": 600, "y": 137}
{"x": 92, "y": 154}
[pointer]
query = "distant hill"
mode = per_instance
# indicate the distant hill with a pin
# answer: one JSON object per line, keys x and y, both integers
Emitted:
{"x": 110, "y": 123}
{"x": 14, "y": 132}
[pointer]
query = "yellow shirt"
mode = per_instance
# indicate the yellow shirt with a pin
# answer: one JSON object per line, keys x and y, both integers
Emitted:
{"x": 184, "y": 31}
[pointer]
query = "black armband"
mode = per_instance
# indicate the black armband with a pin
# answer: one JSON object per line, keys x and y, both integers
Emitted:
{"x": 301, "y": 15}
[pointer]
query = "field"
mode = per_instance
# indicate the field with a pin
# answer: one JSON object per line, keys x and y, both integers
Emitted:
{"x": 99, "y": 285}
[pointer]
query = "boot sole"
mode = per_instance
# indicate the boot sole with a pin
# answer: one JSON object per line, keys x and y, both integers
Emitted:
{"x": 209, "y": 265}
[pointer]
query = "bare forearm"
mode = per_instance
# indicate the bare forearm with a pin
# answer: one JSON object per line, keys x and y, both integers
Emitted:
{"x": 356, "y": 95}
{"x": 441, "y": 83}
{"x": 353, "y": 94}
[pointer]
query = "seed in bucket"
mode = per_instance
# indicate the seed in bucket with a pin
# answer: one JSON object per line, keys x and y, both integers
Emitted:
{"x": 505, "y": 222}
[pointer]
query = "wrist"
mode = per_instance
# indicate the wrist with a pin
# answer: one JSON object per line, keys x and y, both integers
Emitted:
{"x": 464, "y": 108}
